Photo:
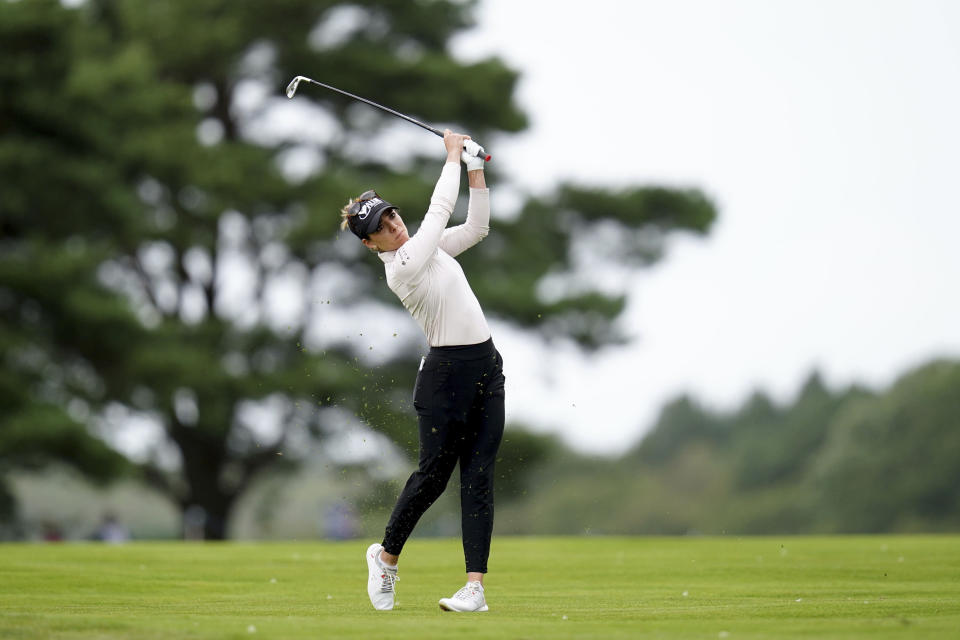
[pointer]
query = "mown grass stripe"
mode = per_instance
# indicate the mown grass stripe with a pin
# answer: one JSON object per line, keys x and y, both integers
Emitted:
{"x": 588, "y": 587}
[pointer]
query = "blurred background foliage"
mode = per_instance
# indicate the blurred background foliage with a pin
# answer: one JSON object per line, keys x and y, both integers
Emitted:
{"x": 180, "y": 315}
{"x": 846, "y": 461}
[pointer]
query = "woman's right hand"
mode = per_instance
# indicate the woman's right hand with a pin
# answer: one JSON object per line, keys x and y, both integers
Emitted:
{"x": 454, "y": 144}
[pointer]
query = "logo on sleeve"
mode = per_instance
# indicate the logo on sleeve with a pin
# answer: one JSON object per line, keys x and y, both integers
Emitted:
{"x": 404, "y": 256}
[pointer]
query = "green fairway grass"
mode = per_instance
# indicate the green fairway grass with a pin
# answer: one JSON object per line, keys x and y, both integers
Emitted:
{"x": 588, "y": 587}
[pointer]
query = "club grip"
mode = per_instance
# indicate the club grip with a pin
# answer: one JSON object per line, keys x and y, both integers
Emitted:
{"x": 474, "y": 149}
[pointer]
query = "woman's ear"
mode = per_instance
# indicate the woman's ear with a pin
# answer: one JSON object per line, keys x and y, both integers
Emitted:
{"x": 369, "y": 245}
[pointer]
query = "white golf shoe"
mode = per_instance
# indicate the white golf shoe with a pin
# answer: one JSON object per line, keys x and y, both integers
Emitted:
{"x": 469, "y": 598}
{"x": 380, "y": 580}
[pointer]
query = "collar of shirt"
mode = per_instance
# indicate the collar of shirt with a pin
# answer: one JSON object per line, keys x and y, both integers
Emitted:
{"x": 401, "y": 253}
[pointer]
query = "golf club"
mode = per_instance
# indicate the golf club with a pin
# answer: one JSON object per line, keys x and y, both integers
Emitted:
{"x": 292, "y": 90}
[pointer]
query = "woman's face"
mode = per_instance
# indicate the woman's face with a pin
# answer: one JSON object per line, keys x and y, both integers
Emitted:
{"x": 390, "y": 235}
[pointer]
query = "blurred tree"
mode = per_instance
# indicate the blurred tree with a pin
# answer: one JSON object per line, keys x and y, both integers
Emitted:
{"x": 771, "y": 445}
{"x": 44, "y": 378}
{"x": 155, "y": 221}
{"x": 521, "y": 454}
{"x": 890, "y": 462}
{"x": 830, "y": 461}
{"x": 681, "y": 422}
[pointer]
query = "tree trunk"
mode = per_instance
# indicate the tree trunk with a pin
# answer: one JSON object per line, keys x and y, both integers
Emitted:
{"x": 207, "y": 520}
{"x": 207, "y": 505}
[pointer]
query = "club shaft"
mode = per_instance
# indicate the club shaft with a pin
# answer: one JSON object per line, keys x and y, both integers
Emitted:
{"x": 374, "y": 104}
{"x": 292, "y": 89}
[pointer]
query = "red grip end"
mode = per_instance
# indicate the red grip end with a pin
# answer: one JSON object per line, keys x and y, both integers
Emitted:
{"x": 488, "y": 158}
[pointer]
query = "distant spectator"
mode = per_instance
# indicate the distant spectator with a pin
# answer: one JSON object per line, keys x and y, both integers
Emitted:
{"x": 51, "y": 532}
{"x": 340, "y": 521}
{"x": 111, "y": 530}
{"x": 194, "y": 522}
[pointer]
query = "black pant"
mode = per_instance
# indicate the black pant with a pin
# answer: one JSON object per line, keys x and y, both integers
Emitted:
{"x": 459, "y": 403}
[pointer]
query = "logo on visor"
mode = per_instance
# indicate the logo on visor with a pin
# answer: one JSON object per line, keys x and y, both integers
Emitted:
{"x": 367, "y": 206}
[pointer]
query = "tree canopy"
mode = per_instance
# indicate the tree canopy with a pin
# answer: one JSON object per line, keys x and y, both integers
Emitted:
{"x": 827, "y": 461}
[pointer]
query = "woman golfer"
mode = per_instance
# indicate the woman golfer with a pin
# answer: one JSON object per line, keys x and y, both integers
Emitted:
{"x": 460, "y": 385}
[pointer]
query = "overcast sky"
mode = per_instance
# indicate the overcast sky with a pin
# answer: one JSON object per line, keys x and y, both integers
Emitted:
{"x": 828, "y": 133}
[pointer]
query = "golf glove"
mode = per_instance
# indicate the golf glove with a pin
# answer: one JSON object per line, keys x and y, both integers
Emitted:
{"x": 472, "y": 155}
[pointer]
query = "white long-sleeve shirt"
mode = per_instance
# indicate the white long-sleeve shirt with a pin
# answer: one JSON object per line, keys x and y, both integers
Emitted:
{"x": 425, "y": 276}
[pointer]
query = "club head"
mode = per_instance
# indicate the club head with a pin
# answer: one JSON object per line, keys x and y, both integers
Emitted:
{"x": 292, "y": 87}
